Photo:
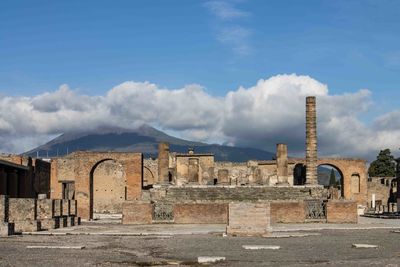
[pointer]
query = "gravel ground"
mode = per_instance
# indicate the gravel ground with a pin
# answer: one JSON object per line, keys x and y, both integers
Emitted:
{"x": 331, "y": 248}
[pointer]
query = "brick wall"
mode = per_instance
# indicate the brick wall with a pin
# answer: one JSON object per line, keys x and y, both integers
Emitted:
{"x": 342, "y": 211}
{"x": 287, "y": 212}
{"x": 136, "y": 213}
{"x": 201, "y": 213}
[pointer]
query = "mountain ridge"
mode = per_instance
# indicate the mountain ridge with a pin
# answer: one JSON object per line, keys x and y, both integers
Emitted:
{"x": 143, "y": 139}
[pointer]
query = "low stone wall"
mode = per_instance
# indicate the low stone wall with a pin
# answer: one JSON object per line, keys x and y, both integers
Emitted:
{"x": 218, "y": 194}
{"x": 137, "y": 212}
{"x": 249, "y": 218}
{"x": 341, "y": 211}
{"x": 337, "y": 211}
{"x": 31, "y": 215}
{"x": 201, "y": 213}
{"x": 288, "y": 212}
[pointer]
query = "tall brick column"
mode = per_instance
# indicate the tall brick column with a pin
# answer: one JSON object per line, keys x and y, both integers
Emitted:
{"x": 282, "y": 163}
{"x": 163, "y": 163}
{"x": 311, "y": 141}
{"x": 398, "y": 183}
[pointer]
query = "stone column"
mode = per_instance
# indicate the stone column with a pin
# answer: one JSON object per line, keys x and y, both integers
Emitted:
{"x": 3, "y": 182}
{"x": 282, "y": 164}
{"x": 311, "y": 141}
{"x": 163, "y": 163}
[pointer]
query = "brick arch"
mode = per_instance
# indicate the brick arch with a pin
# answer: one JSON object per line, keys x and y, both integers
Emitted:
{"x": 342, "y": 186}
{"x": 86, "y": 162}
{"x": 347, "y": 166}
{"x": 146, "y": 173}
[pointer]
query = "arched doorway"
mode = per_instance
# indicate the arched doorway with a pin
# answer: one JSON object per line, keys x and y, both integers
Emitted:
{"x": 148, "y": 177}
{"x": 107, "y": 189}
{"x": 299, "y": 174}
{"x": 331, "y": 177}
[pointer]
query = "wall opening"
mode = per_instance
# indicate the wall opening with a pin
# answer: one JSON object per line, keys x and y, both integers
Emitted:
{"x": 107, "y": 189}
{"x": 299, "y": 174}
{"x": 331, "y": 177}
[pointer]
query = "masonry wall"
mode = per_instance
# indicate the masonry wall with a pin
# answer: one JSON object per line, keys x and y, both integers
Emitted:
{"x": 137, "y": 212}
{"x": 381, "y": 190}
{"x": 124, "y": 178}
{"x": 288, "y": 212}
{"x": 210, "y": 213}
{"x": 341, "y": 211}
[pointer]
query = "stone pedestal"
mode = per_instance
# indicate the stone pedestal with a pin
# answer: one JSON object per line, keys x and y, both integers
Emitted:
{"x": 249, "y": 219}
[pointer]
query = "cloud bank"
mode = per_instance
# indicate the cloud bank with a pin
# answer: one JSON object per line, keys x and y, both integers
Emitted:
{"x": 272, "y": 111}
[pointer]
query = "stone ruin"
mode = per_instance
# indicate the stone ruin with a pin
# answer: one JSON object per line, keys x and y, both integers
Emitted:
{"x": 183, "y": 188}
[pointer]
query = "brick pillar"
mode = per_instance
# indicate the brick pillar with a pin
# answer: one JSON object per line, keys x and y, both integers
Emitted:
{"x": 163, "y": 163}
{"x": 398, "y": 183}
{"x": 282, "y": 163}
{"x": 311, "y": 141}
{"x": 3, "y": 182}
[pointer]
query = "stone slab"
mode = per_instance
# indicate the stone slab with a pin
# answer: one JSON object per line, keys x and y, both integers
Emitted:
{"x": 22, "y": 209}
{"x": 207, "y": 259}
{"x": 57, "y": 247}
{"x": 257, "y": 247}
{"x": 65, "y": 207}
{"x": 27, "y": 226}
{"x": 48, "y": 224}
{"x": 6, "y": 229}
{"x": 45, "y": 209}
{"x": 57, "y": 207}
{"x": 364, "y": 246}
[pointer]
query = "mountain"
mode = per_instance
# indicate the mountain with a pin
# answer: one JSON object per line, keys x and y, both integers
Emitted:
{"x": 144, "y": 139}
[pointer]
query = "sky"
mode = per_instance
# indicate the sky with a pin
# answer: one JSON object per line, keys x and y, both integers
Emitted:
{"x": 227, "y": 71}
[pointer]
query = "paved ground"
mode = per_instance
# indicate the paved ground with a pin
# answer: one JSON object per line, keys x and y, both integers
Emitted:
{"x": 173, "y": 245}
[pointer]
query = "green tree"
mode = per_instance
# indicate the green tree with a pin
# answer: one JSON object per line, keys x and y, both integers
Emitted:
{"x": 383, "y": 166}
{"x": 332, "y": 180}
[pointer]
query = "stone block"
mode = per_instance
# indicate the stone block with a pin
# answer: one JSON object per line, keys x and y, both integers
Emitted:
{"x": 57, "y": 207}
{"x": 70, "y": 221}
{"x": 72, "y": 207}
{"x": 77, "y": 220}
{"x": 341, "y": 211}
{"x": 22, "y": 209}
{"x": 6, "y": 229}
{"x": 4, "y": 207}
{"x": 65, "y": 207}
{"x": 52, "y": 223}
{"x": 248, "y": 219}
{"x": 63, "y": 221}
{"x": 207, "y": 213}
{"x": 45, "y": 209}
{"x": 137, "y": 213}
{"x": 27, "y": 226}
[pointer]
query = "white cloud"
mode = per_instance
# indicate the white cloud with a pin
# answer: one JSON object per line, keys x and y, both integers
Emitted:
{"x": 225, "y": 10}
{"x": 235, "y": 36}
{"x": 271, "y": 111}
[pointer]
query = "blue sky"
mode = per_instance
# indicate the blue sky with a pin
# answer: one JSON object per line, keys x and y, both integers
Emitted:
{"x": 94, "y": 46}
